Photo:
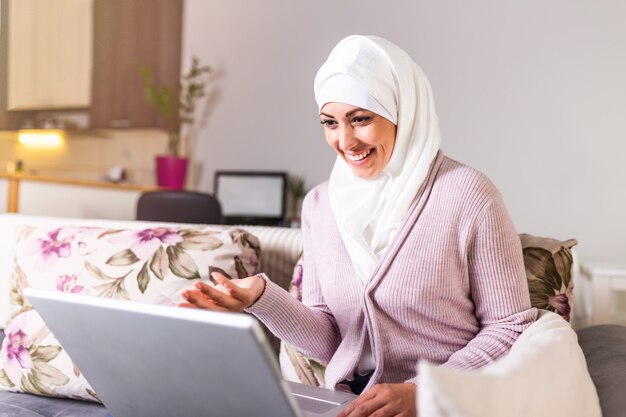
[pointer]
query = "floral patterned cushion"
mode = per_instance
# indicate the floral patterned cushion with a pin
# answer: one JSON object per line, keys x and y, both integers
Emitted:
{"x": 150, "y": 266}
{"x": 548, "y": 264}
{"x": 34, "y": 362}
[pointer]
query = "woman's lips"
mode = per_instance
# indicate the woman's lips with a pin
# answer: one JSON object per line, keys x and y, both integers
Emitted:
{"x": 360, "y": 157}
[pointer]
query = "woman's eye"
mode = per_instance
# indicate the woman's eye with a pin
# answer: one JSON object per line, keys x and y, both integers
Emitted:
{"x": 361, "y": 119}
{"x": 328, "y": 122}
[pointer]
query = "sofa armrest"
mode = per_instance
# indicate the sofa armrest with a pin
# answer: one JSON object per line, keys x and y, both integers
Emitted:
{"x": 281, "y": 248}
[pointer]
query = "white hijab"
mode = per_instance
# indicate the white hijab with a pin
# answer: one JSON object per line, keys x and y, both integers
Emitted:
{"x": 369, "y": 212}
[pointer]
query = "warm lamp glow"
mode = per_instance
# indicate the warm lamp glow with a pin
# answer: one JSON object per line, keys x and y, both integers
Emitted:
{"x": 41, "y": 139}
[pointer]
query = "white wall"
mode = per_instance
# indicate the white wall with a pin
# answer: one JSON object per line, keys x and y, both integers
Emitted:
{"x": 531, "y": 93}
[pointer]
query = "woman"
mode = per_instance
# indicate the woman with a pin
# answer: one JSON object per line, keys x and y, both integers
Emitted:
{"x": 408, "y": 255}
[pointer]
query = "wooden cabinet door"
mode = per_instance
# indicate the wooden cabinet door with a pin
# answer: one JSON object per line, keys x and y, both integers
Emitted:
{"x": 127, "y": 35}
{"x": 5, "y": 120}
{"x": 49, "y": 54}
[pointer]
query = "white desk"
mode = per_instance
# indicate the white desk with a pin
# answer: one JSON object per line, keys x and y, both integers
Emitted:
{"x": 604, "y": 280}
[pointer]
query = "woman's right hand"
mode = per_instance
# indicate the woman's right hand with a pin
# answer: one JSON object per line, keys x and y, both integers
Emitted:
{"x": 228, "y": 295}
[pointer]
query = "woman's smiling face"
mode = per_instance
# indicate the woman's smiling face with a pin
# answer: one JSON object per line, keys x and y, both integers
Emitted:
{"x": 362, "y": 138}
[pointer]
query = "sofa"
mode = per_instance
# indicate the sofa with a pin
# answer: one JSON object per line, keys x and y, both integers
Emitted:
{"x": 603, "y": 346}
{"x": 280, "y": 250}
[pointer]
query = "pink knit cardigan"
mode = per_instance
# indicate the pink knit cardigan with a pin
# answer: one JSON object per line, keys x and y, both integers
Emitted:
{"x": 450, "y": 289}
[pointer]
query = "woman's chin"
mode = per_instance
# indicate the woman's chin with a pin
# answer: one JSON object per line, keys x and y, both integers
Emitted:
{"x": 366, "y": 172}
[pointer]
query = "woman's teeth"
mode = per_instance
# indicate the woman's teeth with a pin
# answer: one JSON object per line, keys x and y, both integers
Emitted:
{"x": 360, "y": 156}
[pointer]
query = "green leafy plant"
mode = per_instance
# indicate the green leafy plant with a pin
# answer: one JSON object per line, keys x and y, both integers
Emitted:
{"x": 296, "y": 186}
{"x": 176, "y": 104}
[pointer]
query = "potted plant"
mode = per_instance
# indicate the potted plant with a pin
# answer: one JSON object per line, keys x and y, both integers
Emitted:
{"x": 176, "y": 107}
{"x": 296, "y": 186}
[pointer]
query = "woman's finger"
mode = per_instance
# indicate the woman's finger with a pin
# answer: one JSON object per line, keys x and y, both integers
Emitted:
{"x": 361, "y": 407}
{"x": 199, "y": 299}
{"x": 225, "y": 283}
{"x": 221, "y": 298}
{"x": 384, "y": 400}
{"x": 232, "y": 289}
{"x": 186, "y": 305}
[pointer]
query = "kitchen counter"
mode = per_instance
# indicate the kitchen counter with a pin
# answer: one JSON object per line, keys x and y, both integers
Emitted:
{"x": 84, "y": 181}
{"x": 81, "y": 180}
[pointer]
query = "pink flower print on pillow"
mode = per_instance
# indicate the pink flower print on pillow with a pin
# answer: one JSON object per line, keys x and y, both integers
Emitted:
{"x": 561, "y": 304}
{"x": 144, "y": 243}
{"x": 16, "y": 345}
{"x": 49, "y": 249}
{"x": 67, "y": 283}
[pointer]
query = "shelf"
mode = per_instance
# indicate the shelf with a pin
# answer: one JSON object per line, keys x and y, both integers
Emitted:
{"x": 77, "y": 181}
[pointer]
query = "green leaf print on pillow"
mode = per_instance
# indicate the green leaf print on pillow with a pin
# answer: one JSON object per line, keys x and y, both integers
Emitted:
{"x": 548, "y": 264}
{"x": 182, "y": 264}
{"x": 195, "y": 240}
{"x": 5, "y": 382}
{"x": 159, "y": 263}
{"x": 114, "y": 288}
{"x": 123, "y": 258}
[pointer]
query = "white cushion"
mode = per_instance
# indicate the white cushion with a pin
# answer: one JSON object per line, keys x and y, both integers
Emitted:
{"x": 544, "y": 374}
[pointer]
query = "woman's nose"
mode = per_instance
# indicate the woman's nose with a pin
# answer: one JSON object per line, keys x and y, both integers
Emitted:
{"x": 346, "y": 138}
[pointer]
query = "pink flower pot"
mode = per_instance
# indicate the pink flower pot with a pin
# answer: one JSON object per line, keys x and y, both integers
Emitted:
{"x": 171, "y": 172}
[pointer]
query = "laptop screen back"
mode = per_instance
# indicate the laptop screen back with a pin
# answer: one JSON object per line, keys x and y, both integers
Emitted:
{"x": 149, "y": 361}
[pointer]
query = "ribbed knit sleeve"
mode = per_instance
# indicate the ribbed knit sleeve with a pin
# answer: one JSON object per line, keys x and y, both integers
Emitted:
{"x": 310, "y": 330}
{"x": 498, "y": 288}
{"x": 310, "y": 326}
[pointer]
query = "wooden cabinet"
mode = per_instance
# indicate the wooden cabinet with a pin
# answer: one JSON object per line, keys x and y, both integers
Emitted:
{"x": 36, "y": 195}
{"x": 6, "y": 118}
{"x": 127, "y": 35}
{"x": 91, "y": 63}
{"x": 49, "y": 54}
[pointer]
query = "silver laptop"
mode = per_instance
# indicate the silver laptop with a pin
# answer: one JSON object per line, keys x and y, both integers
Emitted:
{"x": 158, "y": 361}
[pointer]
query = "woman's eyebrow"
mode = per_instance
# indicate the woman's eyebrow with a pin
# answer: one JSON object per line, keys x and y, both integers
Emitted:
{"x": 351, "y": 112}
